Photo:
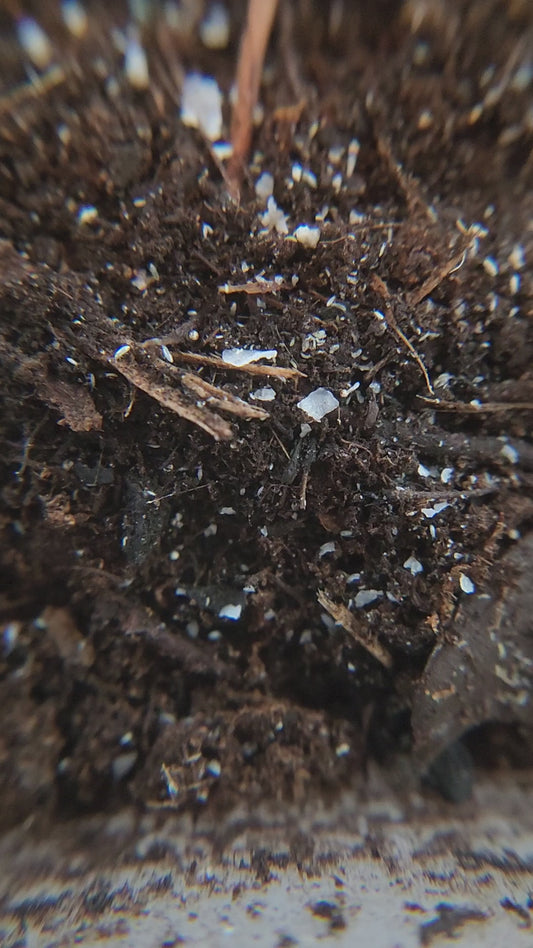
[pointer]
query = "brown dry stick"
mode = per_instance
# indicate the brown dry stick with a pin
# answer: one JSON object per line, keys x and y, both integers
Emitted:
{"x": 254, "y": 42}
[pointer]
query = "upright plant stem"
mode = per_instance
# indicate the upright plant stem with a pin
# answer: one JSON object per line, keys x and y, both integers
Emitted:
{"x": 254, "y": 42}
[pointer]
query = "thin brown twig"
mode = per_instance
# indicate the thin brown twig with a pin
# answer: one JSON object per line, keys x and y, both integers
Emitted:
{"x": 344, "y": 617}
{"x": 379, "y": 286}
{"x": 437, "y": 278}
{"x": 471, "y": 408}
{"x": 197, "y": 358}
{"x": 391, "y": 320}
{"x": 282, "y": 446}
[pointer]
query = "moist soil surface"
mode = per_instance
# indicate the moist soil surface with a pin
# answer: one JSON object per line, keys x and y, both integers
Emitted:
{"x": 208, "y": 597}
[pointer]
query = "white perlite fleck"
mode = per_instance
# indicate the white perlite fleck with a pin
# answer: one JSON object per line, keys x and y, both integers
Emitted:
{"x": 34, "y": 42}
{"x": 510, "y": 454}
{"x": 490, "y": 266}
{"x": 326, "y": 548}
{"x": 318, "y": 403}
{"x": 431, "y": 512}
{"x": 366, "y": 596}
{"x": 87, "y": 214}
{"x": 246, "y": 356}
{"x": 307, "y": 236}
{"x": 517, "y": 257}
{"x": 213, "y": 768}
{"x": 121, "y": 351}
{"x": 466, "y": 584}
{"x": 123, "y": 764}
{"x": 274, "y": 218}
{"x": 222, "y": 150}
{"x": 263, "y": 394}
{"x": 215, "y": 27}
{"x": 231, "y": 611}
{"x": 136, "y": 65}
{"x": 342, "y": 750}
{"x": 514, "y": 283}
{"x": 201, "y": 105}
{"x": 74, "y": 17}
{"x": 264, "y": 186}
{"x": 353, "y": 154}
{"x": 413, "y": 565}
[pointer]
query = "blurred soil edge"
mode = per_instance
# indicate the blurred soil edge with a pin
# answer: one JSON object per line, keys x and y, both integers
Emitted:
{"x": 264, "y": 673}
{"x": 391, "y": 870}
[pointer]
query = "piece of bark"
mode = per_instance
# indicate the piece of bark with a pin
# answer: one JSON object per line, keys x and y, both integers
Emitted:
{"x": 73, "y": 402}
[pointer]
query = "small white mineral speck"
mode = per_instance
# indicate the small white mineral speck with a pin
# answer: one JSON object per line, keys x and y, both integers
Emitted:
{"x": 510, "y": 454}
{"x": 342, "y": 750}
{"x": 366, "y": 596}
{"x": 87, "y": 214}
{"x": 466, "y": 584}
{"x": 413, "y": 565}
{"x": 264, "y": 186}
{"x": 246, "y": 356}
{"x": 274, "y": 218}
{"x": 307, "y": 236}
{"x": 74, "y": 17}
{"x": 318, "y": 403}
{"x": 353, "y": 154}
{"x": 121, "y": 351}
{"x": 136, "y": 65}
{"x": 231, "y": 611}
{"x": 326, "y": 548}
{"x": 517, "y": 257}
{"x": 266, "y": 394}
{"x": 490, "y": 266}
{"x": 201, "y": 105}
{"x": 34, "y": 42}
{"x": 213, "y": 768}
{"x": 215, "y": 27}
{"x": 431, "y": 512}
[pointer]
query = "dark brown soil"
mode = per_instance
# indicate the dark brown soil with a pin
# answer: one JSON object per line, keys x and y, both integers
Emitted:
{"x": 126, "y": 529}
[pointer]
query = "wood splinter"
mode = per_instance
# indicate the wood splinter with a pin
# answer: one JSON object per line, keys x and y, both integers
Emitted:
{"x": 344, "y": 617}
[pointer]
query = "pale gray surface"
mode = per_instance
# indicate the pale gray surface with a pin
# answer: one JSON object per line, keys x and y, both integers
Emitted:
{"x": 383, "y": 864}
